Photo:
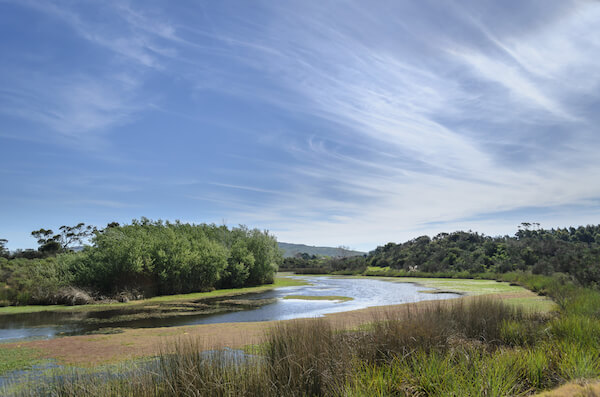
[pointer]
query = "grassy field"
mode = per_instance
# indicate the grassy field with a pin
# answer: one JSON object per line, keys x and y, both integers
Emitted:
{"x": 19, "y": 358}
{"x": 280, "y": 281}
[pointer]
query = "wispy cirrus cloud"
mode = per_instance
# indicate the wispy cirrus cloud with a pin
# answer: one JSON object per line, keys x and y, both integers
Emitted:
{"x": 348, "y": 125}
{"x": 445, "y": 164}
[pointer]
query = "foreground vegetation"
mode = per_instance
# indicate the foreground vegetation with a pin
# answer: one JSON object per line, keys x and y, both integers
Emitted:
{"x": 139, "y": 260}
{"x": 475, "y": 346}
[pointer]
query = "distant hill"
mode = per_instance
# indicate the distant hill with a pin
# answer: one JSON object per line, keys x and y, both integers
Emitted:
{"x": 293, "y": 249}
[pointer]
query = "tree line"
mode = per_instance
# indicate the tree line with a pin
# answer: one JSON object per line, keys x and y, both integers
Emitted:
{"x": 142, "y": 258}
{"x": 574, "y": 251}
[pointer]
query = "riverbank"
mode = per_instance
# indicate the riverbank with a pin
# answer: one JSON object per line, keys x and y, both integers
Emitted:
{"x": 91, "y": 350}
{"x": 282, "y": 280}
{"x": 448, "y": 347}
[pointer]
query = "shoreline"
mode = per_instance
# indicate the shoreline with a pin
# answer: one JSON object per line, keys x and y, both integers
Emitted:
{"x": 282, "y": 280}
{"x": 131, "y": 344}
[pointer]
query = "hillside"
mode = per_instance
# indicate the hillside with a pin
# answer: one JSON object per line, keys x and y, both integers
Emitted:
{"x": 290, "y": 250}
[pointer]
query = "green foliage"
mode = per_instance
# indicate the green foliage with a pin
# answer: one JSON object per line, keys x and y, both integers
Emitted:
{"x": 424, "y": 352}
{"x": 574, "y": 252}
{"x": 240, "y": 261}
{"x": 578, "y": 362}
{"x": 146, "y": 257}
{"x": 3, "y": 250}
{"x": 172, "y": 258}
{"x": 51, "y": 243}
{"x": 36, "y": 281}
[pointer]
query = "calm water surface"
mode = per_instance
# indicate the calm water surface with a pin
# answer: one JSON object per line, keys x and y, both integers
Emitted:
{"x": 365, "y": 293}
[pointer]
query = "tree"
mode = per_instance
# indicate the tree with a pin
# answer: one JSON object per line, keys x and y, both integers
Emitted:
{"x": 47, "y": 240}
{"x": 3, "y": 250}
{"x": 68, "y": 236}
{"x": 240, "y": 261}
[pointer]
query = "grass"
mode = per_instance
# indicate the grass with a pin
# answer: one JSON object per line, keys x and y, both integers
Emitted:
{"x": 478, "y": 346}
{"x": 533, "y": 303}
{"x": 280, "y": 281}
{"x": 319, "y": 298}
{"x": 455, "y": 348}
{"x": 18, "y": 358}
{"x": 463, "y": 286}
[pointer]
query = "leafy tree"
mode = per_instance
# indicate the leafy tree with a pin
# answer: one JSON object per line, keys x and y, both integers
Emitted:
{"x": 51, "y": 243}
{"x": 3, "y": 250}
{"x": 238, "y": 267}
{"x": 47, "y": 240}
{"x": 71, "y": 235}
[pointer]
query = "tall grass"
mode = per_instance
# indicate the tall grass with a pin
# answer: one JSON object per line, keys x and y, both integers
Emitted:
{"x": 308, "y": 358}
{"x": 474, "y": 347}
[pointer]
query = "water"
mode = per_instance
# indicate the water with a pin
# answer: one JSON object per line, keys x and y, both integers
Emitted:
{"x": 365, "y": 293}
{"x": 269, "y": 306}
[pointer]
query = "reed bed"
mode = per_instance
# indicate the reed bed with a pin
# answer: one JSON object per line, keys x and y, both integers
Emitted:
{"x": 475, "y": 347}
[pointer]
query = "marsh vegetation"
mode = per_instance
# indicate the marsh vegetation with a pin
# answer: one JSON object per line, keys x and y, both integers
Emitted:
{"x": 476, "y": 346}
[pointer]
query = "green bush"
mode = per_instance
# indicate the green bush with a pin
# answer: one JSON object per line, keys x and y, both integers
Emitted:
{"x": 148, "y": 258}
{"x": 31, "y": 281}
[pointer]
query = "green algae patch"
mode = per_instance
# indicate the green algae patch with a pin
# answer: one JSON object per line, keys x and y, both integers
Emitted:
{"x": 457, "y": 285}
{"x": 539, "y": 304}
{"x": 18, "y": 359}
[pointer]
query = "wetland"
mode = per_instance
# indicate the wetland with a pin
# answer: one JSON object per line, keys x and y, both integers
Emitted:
{"x": 319, "y": 296}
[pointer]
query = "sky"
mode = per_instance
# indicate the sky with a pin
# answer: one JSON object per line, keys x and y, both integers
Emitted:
{"x": 326, "y": 122}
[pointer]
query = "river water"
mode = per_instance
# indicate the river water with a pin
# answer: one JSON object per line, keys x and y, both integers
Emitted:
{"x": 270, "y": 305}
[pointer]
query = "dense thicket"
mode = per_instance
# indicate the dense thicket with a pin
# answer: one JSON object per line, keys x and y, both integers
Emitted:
{"x": 146, "y": 258}
{"x": 31, "y": 280}
{"x": 574, "y": 251}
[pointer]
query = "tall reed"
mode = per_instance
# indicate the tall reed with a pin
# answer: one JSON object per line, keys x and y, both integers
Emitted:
{"x": 465, "y": 347}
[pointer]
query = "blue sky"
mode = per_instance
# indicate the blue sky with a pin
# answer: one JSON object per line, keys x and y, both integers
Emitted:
{"x": 329, "y": 123}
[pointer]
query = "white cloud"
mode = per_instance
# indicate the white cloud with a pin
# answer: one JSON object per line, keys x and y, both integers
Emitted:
{"x": 411, "y": 124}
{"x": 73, "y": 106}
{"x": 416, "y": 110}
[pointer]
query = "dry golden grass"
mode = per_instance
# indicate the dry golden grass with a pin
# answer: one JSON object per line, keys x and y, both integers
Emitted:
{"x": 574, "y": 389}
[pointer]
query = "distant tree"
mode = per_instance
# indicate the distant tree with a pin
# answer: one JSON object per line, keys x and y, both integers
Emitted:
{"x": 343, "y": 251}
{"x": 74, "y": 235}
{"x": 47, "y": 240}
{"x": 51, "y": 243}
{"x": 3, "y": 250}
